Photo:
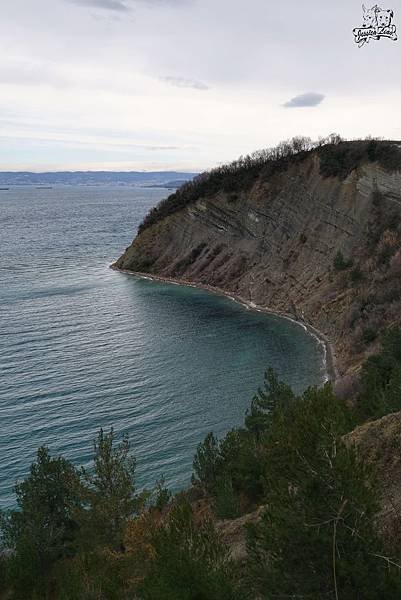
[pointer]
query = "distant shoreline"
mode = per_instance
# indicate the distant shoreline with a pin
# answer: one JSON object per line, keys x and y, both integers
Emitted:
{"x": 165, "y": 179}
{"x": 329, "y": 360}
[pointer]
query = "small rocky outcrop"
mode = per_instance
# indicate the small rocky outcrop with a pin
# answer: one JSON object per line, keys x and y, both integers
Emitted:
{"x": 378, "y": 443}
{"x": 233, "y": 533}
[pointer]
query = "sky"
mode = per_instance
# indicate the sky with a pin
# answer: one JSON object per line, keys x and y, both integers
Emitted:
{"x": 186, "y": 84}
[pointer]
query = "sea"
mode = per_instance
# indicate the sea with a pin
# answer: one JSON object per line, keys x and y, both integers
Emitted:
{"x": 83, "y": 347}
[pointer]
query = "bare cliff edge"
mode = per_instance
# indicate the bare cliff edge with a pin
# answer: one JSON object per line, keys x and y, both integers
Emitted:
{"x": 325, "y": 249}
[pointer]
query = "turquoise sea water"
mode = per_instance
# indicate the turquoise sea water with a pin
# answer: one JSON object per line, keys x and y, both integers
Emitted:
{"x": 82, "y": 346}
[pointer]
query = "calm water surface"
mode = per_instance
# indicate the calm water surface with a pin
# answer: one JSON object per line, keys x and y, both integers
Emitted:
{"x": 84, "y": 347}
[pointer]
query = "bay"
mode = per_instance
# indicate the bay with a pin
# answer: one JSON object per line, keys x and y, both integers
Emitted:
{"x": 84, "y": 347}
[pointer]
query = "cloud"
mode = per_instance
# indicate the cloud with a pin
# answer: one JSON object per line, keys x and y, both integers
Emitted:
{"x": 161, "y": 3}
{"x": 86, "y": 67}
{"x": 106, "y": 4}
{"x": 304, "y": 100}
{"x": 118, "y": 5}
{"x": 182, "y": 82}
{"x": 16, "y": 72}
{"x": 163, "y": 148}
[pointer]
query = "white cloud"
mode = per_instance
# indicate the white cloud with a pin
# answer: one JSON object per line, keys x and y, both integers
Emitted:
{"x": 182, "y": 82}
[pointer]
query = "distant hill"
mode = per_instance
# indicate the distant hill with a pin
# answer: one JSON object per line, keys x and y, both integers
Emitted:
{"x": 169, "y": 184}
{"x": 132, "y": 178}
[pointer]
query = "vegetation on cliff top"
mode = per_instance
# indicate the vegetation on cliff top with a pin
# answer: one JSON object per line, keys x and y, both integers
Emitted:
{"x": 338, "y": 158}
{"x": 82, "y": 534}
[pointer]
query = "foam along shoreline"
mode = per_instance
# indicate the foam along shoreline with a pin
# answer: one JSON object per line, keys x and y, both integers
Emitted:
{"x": 328, "y": 353}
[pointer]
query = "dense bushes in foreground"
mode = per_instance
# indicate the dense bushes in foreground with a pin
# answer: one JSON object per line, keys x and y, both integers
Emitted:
{"x": 316, "y": 534}
{"x": 88, "y": 535}
{"x": 80, "y": 534}
{"x": 337, "y": 159}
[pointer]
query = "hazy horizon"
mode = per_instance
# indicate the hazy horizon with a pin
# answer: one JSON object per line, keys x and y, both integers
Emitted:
{"x": 94, "y": 170}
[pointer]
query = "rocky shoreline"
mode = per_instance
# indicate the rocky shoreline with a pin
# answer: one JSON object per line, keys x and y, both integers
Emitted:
{"x": 329, "y": 357}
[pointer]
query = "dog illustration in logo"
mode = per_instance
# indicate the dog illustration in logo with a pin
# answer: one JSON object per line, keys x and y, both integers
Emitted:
{"x": 384, "y": 17}
{"x": 370, "y": 16}
{"x": 377, "y": 24}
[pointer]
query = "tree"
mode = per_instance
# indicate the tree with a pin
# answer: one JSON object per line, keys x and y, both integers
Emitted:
{"x": 316, "y": 537}
{"x": 44, "y": 527}
{"x": 162, "y": 495}
{"x": 111, "y": 497}
{"x": 340, "y": 263}
{"x": 380, "y": 379}
{"x": 274, "y": 394}
{"x": 207, "y": 462}
{"x": 334, "y": 138}
{"x": 226, "y": 503}
{"x": 190, "y": 562}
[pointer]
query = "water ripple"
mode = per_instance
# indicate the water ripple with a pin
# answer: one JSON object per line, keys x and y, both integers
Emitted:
{"x": 83, "y": 347}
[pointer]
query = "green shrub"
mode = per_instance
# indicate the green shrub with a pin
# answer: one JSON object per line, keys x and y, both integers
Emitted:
{"x": 340, "y": 263}
{"x": 339, "y": 160}
{"x": 64, "y": 513}
{"x": 316, "y": 537}
{"x": 163, "y": 495}
{"x": 380, "y": 391}
{"x": 377, "y": 198}
{"x": 206, "y": 464}
{"x": 110, "y": 492}
{"x": 356, "y": 275}
{"x": 274, "y": 393}
{"x": 43, "y": 529}
{"x": 233, "y": 466}
{"x": 227, "y": 505}
{"x": 90, "y": 576}
{"x": 190, "y": 562}
{"x": 369, "y": 335}
{"x": 386, "y": 254}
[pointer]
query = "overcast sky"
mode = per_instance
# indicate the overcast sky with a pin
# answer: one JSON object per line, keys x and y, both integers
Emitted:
{"x": 185, "y": 84}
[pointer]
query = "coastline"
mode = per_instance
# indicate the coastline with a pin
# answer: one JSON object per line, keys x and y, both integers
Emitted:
{"x": 329, "y": 359}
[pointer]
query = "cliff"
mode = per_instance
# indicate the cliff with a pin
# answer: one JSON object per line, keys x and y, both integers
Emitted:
{"x": 325, "y": 248}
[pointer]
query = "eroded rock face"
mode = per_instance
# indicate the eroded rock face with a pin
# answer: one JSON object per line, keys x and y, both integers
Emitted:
{"x": 378, "y": 443}
{"x": 233, "y": 533}
{"x": 276, "y": 245}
